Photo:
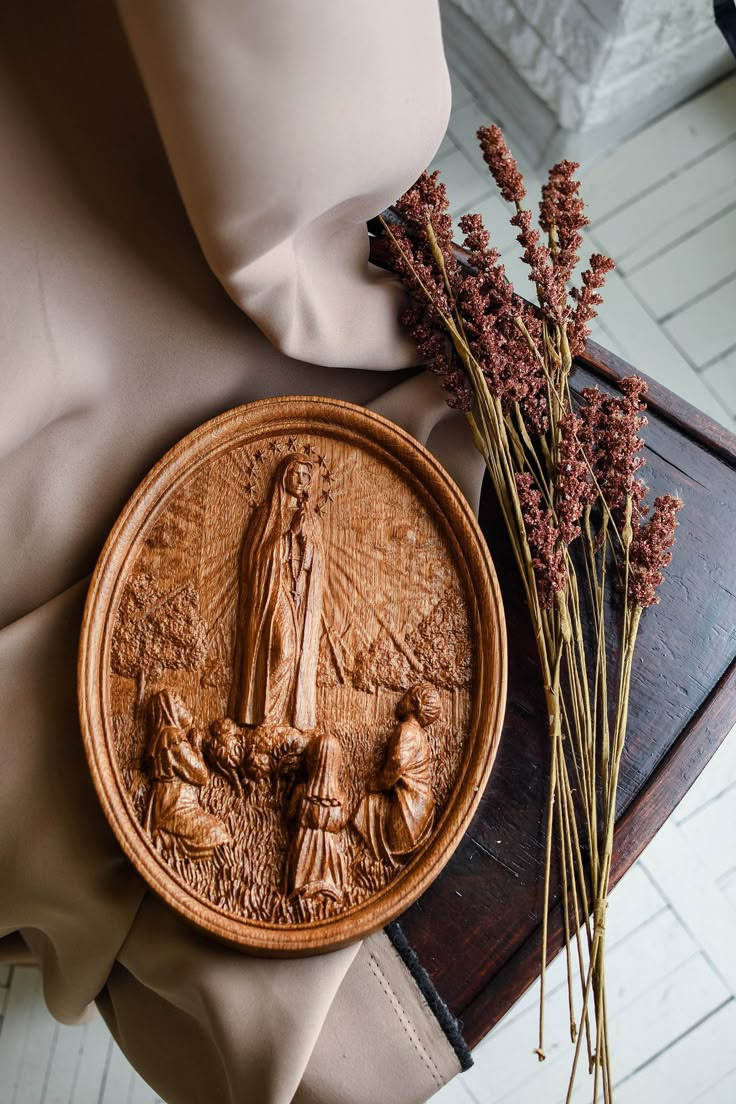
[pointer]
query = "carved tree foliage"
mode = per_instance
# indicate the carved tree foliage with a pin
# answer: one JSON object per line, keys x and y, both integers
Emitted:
{"x": 441, "y": 643}
{"x": 437, "y": 651}
{"x": 157, "y": 631}
{"x": 382, "y": 664}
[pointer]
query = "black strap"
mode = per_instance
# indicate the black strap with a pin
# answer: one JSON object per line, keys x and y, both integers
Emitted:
{"x": 725, "y": 14}
{"x": 451, "y": 1026}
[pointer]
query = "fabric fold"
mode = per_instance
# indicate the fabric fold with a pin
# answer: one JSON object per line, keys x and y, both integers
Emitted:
{"x": 279, "y": 125}
{"x": 248, "y": 1021}
{"x": 283, "y": 135}
{"x": 67, "y": 887}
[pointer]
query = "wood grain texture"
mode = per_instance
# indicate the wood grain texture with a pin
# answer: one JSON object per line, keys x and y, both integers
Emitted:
{"x": 292, "y": 674}
{"x": 477, "y": 928}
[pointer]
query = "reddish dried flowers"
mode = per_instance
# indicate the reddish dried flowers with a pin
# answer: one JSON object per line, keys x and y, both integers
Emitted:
{"x": 438, "y": 354}
{"x": 650, "y": 551}
{"x": 608, "y": 431}
{"x": 587, "y": 301}
{"x": 561, "y": 215}
{"x": 490, "y": 308}
{"x": 459, "y": 311}
{"x": 543, "y": 536}
{"x": 551, "y": 468}
{"x": 574, "y": 487}
{"x": 551, "y": 293}
{"x": 431, "y": 303}
{"x": 505, "y": 335}
{"x": 502, "y": 164}
{"x": 424, "y": 205}
{"x": 426, "y": 201}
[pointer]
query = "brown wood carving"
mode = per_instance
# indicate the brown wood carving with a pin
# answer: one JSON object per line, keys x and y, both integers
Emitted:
{"x": 292, "y": 674}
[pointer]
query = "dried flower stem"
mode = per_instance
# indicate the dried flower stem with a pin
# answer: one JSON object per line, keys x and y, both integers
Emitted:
{"x": 560, "y": 477}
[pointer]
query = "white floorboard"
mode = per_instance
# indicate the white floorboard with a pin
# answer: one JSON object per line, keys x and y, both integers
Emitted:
{"x": 464, "y": 124}
{"x": 44, "y": 1062}
{"x": 672, "y": 211}
{"x": 665, "y": 1013}
{"x": 711, "y": 831}
{"x": 4, "y": 990}
{"x": 649, "y": 962}
{"x": 454, "y": 1093}
{"x": 715, "y": 779}
{"x": 661, "y": 150}
{"x": 633, "y": 902}
{"x": 727, "y": 886}
{"x": 721, "y": 379}
{"x": 692, "y": 1065}
{"x": 705, "y": 329}
{"x": 681, "y": 873}
{"x": 17, "y": 1021}
{"x": 447, "y": 146}
{"x": 64, "y": 1063}
{"x": 93, "y": 1063}
{"x": 496, "y": 214}
{"x": 724, "y": 1092}
{"x": 687, "y": 269}
{"x": 669, "y": 1008}
{"x": 27, "y": 1038}
{"x": 461, "y": 94}
{"x": 648, "y": 347}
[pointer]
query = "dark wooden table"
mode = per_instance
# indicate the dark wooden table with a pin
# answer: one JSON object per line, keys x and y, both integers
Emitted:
{"x": 477, "y": 930}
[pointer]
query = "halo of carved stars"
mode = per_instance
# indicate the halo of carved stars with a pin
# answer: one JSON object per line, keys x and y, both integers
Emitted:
{"x": 269, "y": 450}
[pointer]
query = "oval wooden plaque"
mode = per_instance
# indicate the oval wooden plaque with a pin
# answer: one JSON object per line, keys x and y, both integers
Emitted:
{"x": 292, "y": 674}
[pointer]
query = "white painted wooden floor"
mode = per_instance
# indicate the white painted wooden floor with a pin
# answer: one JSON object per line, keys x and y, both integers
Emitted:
{"x": 44, "y": 1062}
{"x": 664, "y": 206}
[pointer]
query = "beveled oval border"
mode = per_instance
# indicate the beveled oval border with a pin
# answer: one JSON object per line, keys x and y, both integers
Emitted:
{"x": 442, "y": 498}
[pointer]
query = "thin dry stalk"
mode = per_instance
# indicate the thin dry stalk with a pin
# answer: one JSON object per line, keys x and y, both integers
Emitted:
{"x": 564, "y": 480}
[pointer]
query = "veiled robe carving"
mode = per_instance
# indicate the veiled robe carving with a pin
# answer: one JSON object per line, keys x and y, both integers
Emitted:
{"x": 316, "y": 866}
{"x": 178, "y": 771}
{"x": 279, "y": 610}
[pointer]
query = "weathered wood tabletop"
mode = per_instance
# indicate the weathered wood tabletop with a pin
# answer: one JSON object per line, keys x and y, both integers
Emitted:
{"x": 477, "y": 929}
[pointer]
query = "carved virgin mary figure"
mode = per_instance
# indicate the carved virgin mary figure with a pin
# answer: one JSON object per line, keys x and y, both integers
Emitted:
{"x": 280, "y": 605}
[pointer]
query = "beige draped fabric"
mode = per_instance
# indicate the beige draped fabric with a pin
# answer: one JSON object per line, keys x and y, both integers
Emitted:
{"x": 127, "y": 319}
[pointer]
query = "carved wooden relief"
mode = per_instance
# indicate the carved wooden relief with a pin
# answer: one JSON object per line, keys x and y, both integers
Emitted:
{"x": 293, "y": 674}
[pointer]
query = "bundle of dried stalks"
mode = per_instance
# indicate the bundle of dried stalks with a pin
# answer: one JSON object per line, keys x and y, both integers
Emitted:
{"x": 587, "y": 546}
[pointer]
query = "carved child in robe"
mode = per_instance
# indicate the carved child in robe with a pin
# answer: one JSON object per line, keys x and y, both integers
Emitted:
{"x": 396, "y": 817}
{"x": 315, "y": 864}
{"x": 280, "y": 606}
{"x": 177, "y": 770}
